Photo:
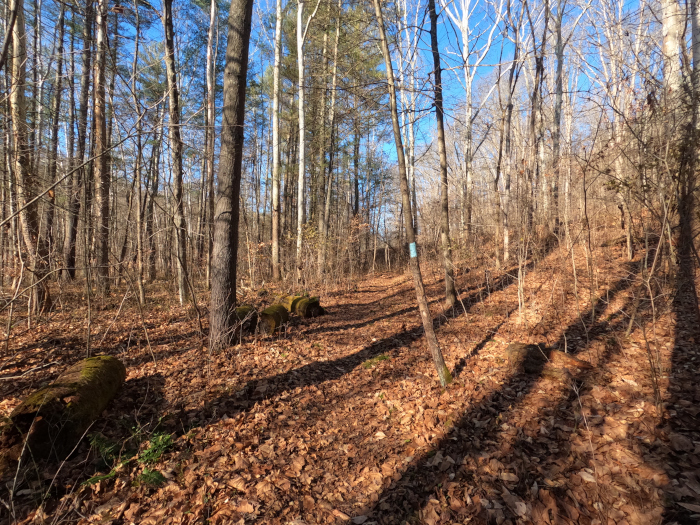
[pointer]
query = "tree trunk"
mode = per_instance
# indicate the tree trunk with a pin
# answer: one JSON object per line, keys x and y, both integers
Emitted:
{"x": 443, "y": 372}
{"x": 301, "y": 158}
{"x": 102, "y": 175}
{"x": 25, "y": 179}
{"x": 76, "y": 186}
{"x": 138, "y": 161}
{"x": 558, "y": 102}
{"x": 176, "y": 149}
{"x": 210, "y": 131}
{"x": 55, "y": 121}
{"x": 672, "y": 30}
{"x": 276, "y": 274}
{"x": 450, "y": 292}
{"x": 325, "y": 217}
{"x": 225, "y": 250}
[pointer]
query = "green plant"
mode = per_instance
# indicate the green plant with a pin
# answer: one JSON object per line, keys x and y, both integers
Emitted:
{"x": 105, "y": 448}
{"x": 158, "y": 445}
{"x": 152, "y": 478}
{"x": 98, "y": 478}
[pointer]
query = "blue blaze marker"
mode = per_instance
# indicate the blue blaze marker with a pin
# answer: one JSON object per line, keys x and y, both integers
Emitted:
{"x": 413, "y": 250}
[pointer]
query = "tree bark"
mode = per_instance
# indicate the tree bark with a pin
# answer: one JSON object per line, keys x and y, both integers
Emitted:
{"x": 139, "y": 160}
{"x": 672, "y": 30}
{"x": 55, "y": 121}
{"x": 450, "y": 292}
{"x": 301, "y": 156}
{"x": 225, "y": 249}
{"x": 443, "y": 372}
{"x": 102, "y": 175}
{"x": 325, "y": 217}
{"x": 25, "y": 179}
{"x": 276, "y": 274}
{"x": 176, "y": 149}
{"x": 71, "y": 233}
{"x": 211, "y": 135}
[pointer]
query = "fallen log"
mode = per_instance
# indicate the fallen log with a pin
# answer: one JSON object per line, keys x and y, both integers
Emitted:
{"x": 538, "y": 359}
{"x": 248, "y": 318}
{"x": 309, "y": 307}
{"x": 53, "y": 419}
{"x": 272, "y": 319}
{"x": 290, "y": 302}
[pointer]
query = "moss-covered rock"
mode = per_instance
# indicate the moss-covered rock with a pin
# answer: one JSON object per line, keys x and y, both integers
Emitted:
{"x": 272, "y": 319}
{"x": 53, "y": 419}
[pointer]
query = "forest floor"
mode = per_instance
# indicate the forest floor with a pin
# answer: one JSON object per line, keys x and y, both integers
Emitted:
{"x": 341, "y": 418}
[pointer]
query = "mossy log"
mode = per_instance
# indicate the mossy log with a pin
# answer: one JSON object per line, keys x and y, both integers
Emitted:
{"x": 272, "y": 319}
{"x": 538, "y": 359}
{"x": 248, "y": 317}
{"x": 53, "y": 420}
{"x": 309, "y": 307}
{"x": 290, "y": 302}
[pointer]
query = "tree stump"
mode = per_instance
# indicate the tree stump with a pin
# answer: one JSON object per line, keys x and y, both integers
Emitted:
{"x": 53, "y": 420}
{"x": 272, "y": 319}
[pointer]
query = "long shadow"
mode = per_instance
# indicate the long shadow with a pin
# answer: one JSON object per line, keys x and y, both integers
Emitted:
{"x": 404, "y": 499}
{"x": 681, "y": 420}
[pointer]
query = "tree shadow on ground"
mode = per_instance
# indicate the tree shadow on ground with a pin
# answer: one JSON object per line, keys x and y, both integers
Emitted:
{"x": 478, "y": 430}
{"x": 681, "y": 414}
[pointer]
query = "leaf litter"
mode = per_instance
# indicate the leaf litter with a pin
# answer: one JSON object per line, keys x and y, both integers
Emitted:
{"x": 341, "y": 418}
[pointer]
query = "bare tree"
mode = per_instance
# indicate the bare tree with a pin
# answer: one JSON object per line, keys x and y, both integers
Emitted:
{"x": 26, "y": 181}
{"x": 441, "y": 367}
{"x": 276, "y": 274}
{"x": 176, "y": 149}
{"x": 102, "y": 175}
{"x": 450, "y": 293}
{"x": 225, "y": 249}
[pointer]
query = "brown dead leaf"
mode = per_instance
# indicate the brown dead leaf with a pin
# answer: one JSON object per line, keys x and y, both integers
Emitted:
{"x": 245, "y": 507}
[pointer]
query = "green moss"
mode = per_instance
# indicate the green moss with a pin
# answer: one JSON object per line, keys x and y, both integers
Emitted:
{"x": 68, "y": 406}
{"x": 447, "y": 375}
{"x": 370, "y": 363}
{"x": 272, "y": 318}
{"x": 309, "y": 307}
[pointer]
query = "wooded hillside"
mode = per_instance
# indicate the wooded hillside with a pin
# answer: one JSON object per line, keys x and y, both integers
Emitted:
{"x": 415, "y": 261}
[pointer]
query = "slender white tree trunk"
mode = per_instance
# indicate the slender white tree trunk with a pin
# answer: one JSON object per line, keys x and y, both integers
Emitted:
{"x": 276, "y": 275}
{"x": 301, "y": 205}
